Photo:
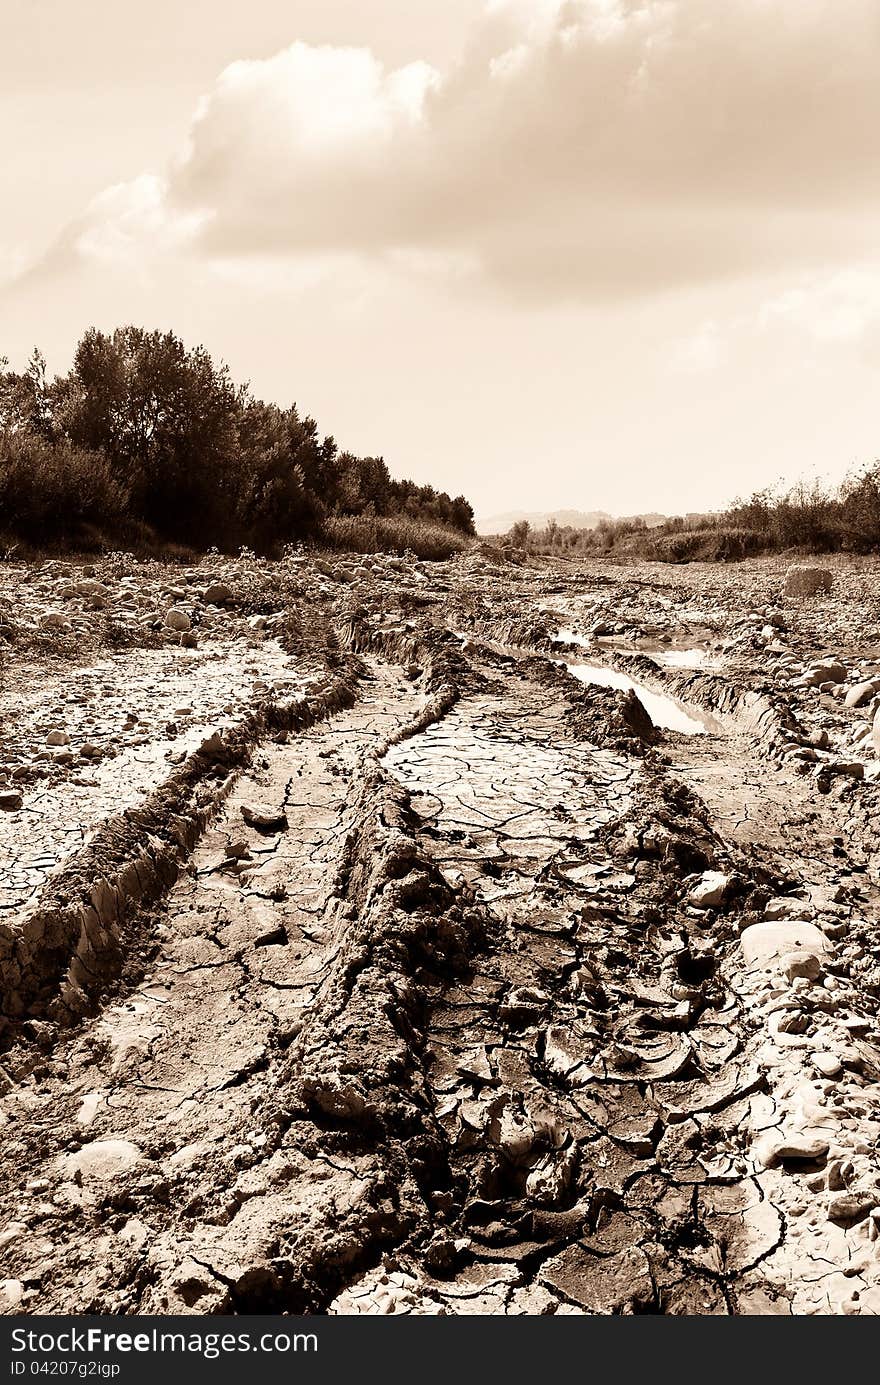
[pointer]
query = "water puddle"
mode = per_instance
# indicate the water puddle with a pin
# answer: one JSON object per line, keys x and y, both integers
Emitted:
{"x": 668, "y": 655}
{"x": 666, "y": 712}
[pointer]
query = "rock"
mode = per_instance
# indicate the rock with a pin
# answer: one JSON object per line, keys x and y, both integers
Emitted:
{"x": 102, "y": 1161}
{"x": 827, "y": 1063}
{"x": 263, "y": 818}
{"x": 188, "y": 640}
{"x": 828, "y": 671}
{"x": 802, "y": 962}
{"x": 861, "y": 693}
{"x": 790, "y": 1149}
{"x": 57, "y": 738}
{"x": 807, "y": 581}
{"x": 634, "y": 715}
{"x": 217, "y": 594}
{"x": 783, "y": 907}
{"x": 175, "y": 619}
{"x": 764, "y": 943}
{"x": 11, "y": 1294}
{"x": 213, "y": 747}
{"x": 10, "y": 800}
{"x": 851, "y": 1206}
{"x": 710, "y": 891}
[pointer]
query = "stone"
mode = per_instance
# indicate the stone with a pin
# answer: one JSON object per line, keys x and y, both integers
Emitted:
{"x": 861, "y": 693}
{"x": 828, "y": 671}
{"x": 217, "y": 594}
{"x": 11, "y": 1294}
{"x": 57, "y": 738}
{"x": 851, "y": 1206}
{"x": 790, "y": 1149}
{"x": 710, "y": 891}
{"x": 101, "y": 1161}
{"x": 784, "y": 908}
{"x": 175, "y": 619}
{"x": 264, "y": 818}
{"x": 827, "y": 1063}
{"x": 803, "y": 963}
{"x": 807, "y": 581}
{"x": 764, "y": 943}
{"x": 10, "y": 800}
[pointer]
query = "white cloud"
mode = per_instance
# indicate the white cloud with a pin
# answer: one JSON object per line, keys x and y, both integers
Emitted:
{"x": 130, "y": 220}
{"x": 703, "y": 351}
{"x": 841, "y": 308}
{"x": 582, "y": 148}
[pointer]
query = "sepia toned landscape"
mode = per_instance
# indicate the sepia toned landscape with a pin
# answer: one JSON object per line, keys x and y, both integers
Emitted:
{"x": 487, "y": 936}
{"x": 439, "y": 664}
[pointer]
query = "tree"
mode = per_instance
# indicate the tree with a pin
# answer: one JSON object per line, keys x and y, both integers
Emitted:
{"x": 167, "y": 420}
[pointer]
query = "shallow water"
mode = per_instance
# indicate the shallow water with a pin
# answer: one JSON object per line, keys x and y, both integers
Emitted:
{"x": 666, "y": 712}
{"x": 670, "y": 656}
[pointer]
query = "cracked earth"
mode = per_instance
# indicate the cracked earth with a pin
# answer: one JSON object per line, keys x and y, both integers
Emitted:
{"x": 486, "y": 937}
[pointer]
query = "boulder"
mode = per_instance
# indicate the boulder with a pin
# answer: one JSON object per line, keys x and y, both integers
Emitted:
{"x": 175, "y": 619}
{"x": 263, "y": 817}
{"x": 217, "y": 594}
{"x": 807, "y": 581}
{"x": 827, "y": 671}
{"x": 763, "y": 944}
{"x": 101, "y": 1161}
{"x": 861, "y": 693}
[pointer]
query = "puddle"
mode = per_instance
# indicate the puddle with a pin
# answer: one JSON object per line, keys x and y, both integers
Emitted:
{"x": 666, "y": 712}
{"x": 668, "y": 655}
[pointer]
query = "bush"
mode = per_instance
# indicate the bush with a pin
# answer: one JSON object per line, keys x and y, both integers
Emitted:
{"x": 55, "y": 492}
{"x": 375, "y": 534}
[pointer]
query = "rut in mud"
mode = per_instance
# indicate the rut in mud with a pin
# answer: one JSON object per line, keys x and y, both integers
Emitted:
{"x": 470, "y": 991}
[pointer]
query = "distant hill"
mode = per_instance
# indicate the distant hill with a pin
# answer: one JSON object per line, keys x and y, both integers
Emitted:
{"x": 566, "y": 519}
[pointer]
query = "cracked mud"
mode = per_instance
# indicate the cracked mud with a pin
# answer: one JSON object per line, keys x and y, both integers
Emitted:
{"x": 360, "y": 958}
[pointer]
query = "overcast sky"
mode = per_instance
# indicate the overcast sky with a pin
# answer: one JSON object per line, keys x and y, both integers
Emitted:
{"x": 595, "y": 254}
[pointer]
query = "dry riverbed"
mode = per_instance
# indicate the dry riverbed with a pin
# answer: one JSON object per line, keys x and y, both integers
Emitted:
{"x": 481, "y": 937}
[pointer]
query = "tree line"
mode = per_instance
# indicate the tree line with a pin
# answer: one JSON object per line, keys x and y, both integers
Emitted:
{"x": 809, "y": 515}
{"x": 146, "y": 438}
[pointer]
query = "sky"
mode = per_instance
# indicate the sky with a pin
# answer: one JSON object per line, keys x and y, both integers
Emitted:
{"x": 584, "y": 254}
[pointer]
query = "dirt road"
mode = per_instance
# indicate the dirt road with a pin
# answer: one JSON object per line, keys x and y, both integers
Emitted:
{"x": 433, "y": 978}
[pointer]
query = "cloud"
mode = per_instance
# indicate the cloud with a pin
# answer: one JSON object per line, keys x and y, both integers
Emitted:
{"x": 703, "y": 351}
{"x": 581, "y": 148}
{"x": 841, "y": 308}
{"x": 129, "y": 220}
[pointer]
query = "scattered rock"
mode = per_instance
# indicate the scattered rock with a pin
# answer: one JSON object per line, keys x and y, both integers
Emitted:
{"x": 218, "y": 594}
